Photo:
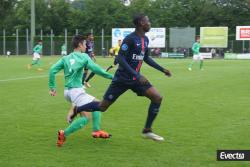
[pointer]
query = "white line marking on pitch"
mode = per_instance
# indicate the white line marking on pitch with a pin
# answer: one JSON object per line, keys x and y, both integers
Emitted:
{"x": 23, "y": 78}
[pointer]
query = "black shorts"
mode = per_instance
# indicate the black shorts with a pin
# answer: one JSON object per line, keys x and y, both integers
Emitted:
{"x": 117, "y": 88}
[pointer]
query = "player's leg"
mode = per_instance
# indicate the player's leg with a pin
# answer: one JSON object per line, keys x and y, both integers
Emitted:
{"x": 36, "y": 58}
{"x": 34, "y": 61}
{"x": 153, "y": 111}
{"x": 192, "y": 62}
{"x": 96, "y": 123}
{"x": 150, "y": 92}
{"x": 78, "y": 97}
{"x": 77, "y": 124}
{"x": 85, "y": 73}
{"x": 74, "y": 126}
{"x": 112, "y": 93}
{"x": 39, "y": 64}
{"x": 201, "y": 62}
{"x": 111, "y": 66}
{"x": 91, "y": 75}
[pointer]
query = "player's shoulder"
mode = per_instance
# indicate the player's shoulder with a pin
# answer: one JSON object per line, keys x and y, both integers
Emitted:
{"x": 146, "y": 38}
{"x": 130, "y": 36}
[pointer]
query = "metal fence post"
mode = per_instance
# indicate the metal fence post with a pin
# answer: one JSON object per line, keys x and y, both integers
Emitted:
{"x": 102, "y": 42}
{"x": 232, "y": 46}
{"x": 65, "y": 38}
{"x": 32, "y": 24}
{"x": 41, "y": 34}
{"x": 4, "y": 43}
{"x": 249, "y": 46}
{"x": 76, "y": 31}
{"x": 17, "y": 44}
{"x": 107, "y": 46}
{"x": 27, "y": 41}
{"x": 51, "y": 42}
{"x": 243, "y": 46}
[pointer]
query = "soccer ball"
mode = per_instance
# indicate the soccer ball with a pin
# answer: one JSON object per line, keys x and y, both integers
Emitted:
{"x": 126, "y": 2}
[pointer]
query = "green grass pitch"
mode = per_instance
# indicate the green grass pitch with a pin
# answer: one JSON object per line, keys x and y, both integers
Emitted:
{"x": 202, "y": 111}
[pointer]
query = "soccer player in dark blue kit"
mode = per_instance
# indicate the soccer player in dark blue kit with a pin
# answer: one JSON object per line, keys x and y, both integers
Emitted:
{"x": 133, "y": 52}
{"x": 90, "y": 52}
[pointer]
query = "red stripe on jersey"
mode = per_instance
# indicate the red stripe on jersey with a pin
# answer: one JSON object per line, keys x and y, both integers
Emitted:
{"x": 140, "y": 61}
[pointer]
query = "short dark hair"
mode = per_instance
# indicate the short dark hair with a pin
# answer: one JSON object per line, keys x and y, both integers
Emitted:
{"x": 137, "y": 18}
{"x": 88, "y": 34}
{"x": 40, "y": 40}
{"x": 77, "y": 39}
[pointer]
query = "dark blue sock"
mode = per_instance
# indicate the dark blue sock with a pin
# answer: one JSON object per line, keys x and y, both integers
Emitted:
{"x": 90, "y": 107}
{"x": 84, "y": 76}
{"x": 152, "y": 113}
{"x": 91, "y": 75}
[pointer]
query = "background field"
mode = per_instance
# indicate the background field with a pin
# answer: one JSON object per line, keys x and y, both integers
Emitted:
{"x": 202, "y": 111}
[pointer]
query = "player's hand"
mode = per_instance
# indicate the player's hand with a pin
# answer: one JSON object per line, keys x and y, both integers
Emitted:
{"x": 167, "y": 73}
{"x": 143, "y": 80}
{"x": 52, "y": 92}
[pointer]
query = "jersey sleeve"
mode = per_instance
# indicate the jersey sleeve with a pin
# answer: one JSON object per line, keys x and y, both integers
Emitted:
{"x": 97, "y": 69}
{"x": 150, "y": 61}
{"x": 53, "y": 71}
{"x": 35, "y": 48}
{"x": 195, "y": 49}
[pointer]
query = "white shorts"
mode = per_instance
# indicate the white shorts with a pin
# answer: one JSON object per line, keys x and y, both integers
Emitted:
{"x": 197, "y": 57}
{"x": 78, "y": 96}
{"x": 36, "y": 56}
{"x": 64, "y": 53}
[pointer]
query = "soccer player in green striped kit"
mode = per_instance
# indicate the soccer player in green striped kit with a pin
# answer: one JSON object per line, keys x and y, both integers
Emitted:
{"x": 37, "y": 50}
{"x": 73, "y": 65}
{"x": 196, "y": 55}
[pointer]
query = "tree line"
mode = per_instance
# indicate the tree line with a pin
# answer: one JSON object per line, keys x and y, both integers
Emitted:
{"x": 85, "y": 15}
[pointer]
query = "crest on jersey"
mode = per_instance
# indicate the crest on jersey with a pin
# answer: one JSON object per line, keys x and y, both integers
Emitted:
{"x": 124, "y": 47}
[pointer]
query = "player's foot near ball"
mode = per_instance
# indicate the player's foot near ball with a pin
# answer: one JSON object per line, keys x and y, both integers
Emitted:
{"x": 148, "y": 134}
{"x": 101, "y": 134}
{"x": 61, "y": 138}
{"x": 87, "y": 85}
{"x": 190, "y": 69}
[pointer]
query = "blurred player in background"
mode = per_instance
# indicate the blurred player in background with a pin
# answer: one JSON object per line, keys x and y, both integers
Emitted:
{"x": 133, "y": 52}
{"x": 73, "y": 66}
{"x": 90, "y": 52}
{"x": 115, "y": 50}
{"x": 37, "y": 51}
{"x": 64, "y": 50}
{"x": 196, "y": 55}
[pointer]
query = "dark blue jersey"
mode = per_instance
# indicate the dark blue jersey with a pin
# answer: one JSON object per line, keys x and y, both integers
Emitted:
{"x": 89, "y": 47}
{"x": 133, "y": 51}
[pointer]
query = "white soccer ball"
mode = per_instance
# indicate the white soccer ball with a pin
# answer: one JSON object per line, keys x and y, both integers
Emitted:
{"x": 126, "y": 2}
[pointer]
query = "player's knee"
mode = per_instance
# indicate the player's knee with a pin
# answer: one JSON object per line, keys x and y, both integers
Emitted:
{"x": 158, "y": 99}
{"x": 104, "y": 105}
{"x": 103, "y": 109}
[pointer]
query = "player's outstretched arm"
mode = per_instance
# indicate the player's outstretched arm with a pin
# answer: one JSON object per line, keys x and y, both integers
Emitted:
{"x": 54, "y": 69}
{"x": 98, "y": 70}
{"x": 122, "y": 62}
{"x": 153, "y": 64}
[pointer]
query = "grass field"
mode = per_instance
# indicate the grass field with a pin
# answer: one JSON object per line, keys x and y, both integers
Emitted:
{"x": 202, "y": 111}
